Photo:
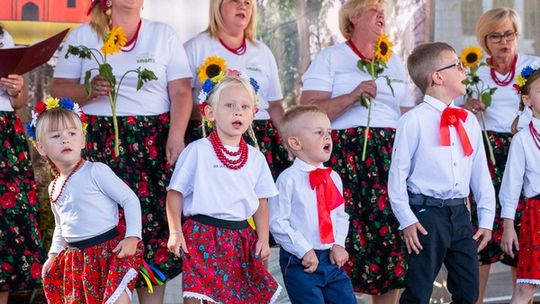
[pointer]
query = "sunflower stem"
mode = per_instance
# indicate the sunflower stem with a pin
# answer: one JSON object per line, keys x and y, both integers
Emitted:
{"x": 112, "y": 99}
{"x": 490, "y": 147}
{"x": 366, "y": 131}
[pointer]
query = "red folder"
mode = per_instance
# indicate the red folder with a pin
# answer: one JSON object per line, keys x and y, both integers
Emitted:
{"x": 19, "y": 60}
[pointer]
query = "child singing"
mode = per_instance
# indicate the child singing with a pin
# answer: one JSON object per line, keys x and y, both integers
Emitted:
{"x": 523, "y": 172}
{"x": 89, "y": 261}
{"x": 218, "y": 183}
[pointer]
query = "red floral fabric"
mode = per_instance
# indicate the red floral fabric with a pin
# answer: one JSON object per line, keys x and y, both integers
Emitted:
{"x": 528, "y": 267}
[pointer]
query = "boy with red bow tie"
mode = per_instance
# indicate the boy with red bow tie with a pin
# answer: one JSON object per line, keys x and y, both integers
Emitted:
{"x": 438, "y": 157}
{"x": 308, "y": 218}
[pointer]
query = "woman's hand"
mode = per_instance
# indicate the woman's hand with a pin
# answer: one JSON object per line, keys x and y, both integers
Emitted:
{"x": 127, "y": 247}
{"x": 13, "y": 84}
{"x": 474, "y": 105}
{"x": 367, "y": 88}
{"x": 100, "y": 87}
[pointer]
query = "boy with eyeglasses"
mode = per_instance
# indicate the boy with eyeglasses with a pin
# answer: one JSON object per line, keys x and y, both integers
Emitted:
{"x": 438, "y": 156}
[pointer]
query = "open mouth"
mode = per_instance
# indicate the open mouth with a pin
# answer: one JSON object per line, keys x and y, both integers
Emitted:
{"x": 241, "y": 15}
{"x": 380, "y": 23}
{"x": 237, "y": 124}
{"x": 66, "y": 150}
{"x": 327, "y": 148}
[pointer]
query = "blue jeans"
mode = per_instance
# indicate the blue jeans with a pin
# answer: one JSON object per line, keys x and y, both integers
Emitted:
{"x": 328, "y": 284}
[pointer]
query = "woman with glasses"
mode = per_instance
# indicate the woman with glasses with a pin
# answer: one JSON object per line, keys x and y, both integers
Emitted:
{"x": 334, "y": 83}
{"x": 497, "y": 32}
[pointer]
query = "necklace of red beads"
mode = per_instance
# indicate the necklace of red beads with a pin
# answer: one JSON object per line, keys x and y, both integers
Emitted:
{"x": 232, "y": 160}
{"x": 535, "y": 135}
{"x": 54, "y": 200}
{"x": 509, "y": 77}
{"x": 241, "y": 50}
{"x": 133, "y": 41}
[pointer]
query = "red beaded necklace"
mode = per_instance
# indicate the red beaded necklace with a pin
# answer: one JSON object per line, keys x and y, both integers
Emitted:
{"x": 509, "y": 77}
{"x": 77, "y": 167}
{"x": 238, "y": 51}
{"x": 224, "y": 155}
{"x": 353, "y": 47}
{"x": 535, "y": 135}
{"x": 132, "y": 41}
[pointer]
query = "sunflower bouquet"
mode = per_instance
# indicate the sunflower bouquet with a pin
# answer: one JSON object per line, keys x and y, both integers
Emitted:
{"x": 113, "y": 41}
{"x": 382, "y": 52}
{"x": 476, "y": 88}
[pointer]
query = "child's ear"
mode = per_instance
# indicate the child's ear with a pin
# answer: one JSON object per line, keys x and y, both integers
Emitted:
{"x": 40, "y": 149}
{"x": 209, "y": 113}
{"x": 526, "y": 100}
{"x": 294, "y": 143}
{"x": 435, "y": 79}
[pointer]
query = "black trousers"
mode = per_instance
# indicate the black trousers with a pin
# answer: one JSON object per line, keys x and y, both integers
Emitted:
{"x": 449, "y": 241}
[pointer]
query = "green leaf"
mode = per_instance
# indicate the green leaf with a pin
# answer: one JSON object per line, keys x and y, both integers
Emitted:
{"x": 105, "y": 70}
{"x": 389, "y": 83}
{"x": 139, "y": 82}
{"x": 87, "y": 85}
{"x": 486, "y": 99}
{"x": 365, "y": 101}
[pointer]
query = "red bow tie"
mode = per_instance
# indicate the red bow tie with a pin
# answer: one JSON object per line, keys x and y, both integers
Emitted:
{"x": 328, "y": 199}
{"x": 454, "y": 117}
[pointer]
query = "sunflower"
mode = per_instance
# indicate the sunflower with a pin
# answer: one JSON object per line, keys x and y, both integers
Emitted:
{"x": 114, "y": 40}
{"x": 52, "y": 103}
{"x": 383, "y": 48}
{"x": 211, "y": 67}
{"x": 471, "y": 56}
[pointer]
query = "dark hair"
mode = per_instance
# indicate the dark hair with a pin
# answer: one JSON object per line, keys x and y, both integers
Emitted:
{"x": 1, "y": 29}
{"x": 524, "y": 91}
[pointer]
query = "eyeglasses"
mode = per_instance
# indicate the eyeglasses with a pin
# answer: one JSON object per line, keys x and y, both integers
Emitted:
{"x": 497, "y": 37}
{"x": 458, "y": 65}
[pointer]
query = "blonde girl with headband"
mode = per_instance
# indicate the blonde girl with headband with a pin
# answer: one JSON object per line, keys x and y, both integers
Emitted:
{"x": 218, "y": 183}
{"x": 90, "y": 261}
{"x": 522, "y": 172}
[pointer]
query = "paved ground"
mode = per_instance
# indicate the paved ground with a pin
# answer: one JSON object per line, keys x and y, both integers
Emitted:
{"x": 499, "y": 286}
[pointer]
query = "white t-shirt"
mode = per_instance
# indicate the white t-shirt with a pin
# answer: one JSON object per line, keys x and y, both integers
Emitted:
{"x": 209, "y": 188}
{"x": 258, "y": 62}
{"x": 5, "y": 105}
{"x": 334, "y": 70}
{"x": 505, "y": 102}
{"x": 89, "y": 206}
{"x": 157, "y": 49}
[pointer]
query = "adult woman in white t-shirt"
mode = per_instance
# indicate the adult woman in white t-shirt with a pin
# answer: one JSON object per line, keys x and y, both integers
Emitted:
{"x": 152, "y": 120}
{"x": 334, "y": 83}
{"x": 20, "y": 237}
{"x": 231, "y": 35}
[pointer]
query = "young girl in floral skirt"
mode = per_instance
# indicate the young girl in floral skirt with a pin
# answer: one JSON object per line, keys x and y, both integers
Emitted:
{"x": 218, "y": 183}
{"x": 89, "y": 262}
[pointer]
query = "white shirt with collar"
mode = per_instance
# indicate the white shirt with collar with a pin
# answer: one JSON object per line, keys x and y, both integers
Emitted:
{"x": 294, "y": 220}
{"x": 522, "y": 171}
{"x": 420, "y": 164}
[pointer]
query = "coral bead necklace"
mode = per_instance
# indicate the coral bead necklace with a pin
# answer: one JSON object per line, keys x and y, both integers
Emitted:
{"x": 225, "y": 156}
{"x": 54, "y": 200}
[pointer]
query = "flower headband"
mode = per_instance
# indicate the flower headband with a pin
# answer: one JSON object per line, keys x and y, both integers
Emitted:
{"x": 104, "y": 5}
{"x": 53, "y": 103}
{"x": 521, "y": 79}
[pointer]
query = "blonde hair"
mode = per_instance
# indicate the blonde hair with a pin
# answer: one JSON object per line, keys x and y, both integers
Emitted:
{"x": 99, "y": 21}
{"x": 230, "y": 81}
{"x": 491, "y": 20}
{"x": 216, "y": 21}
{"x": 524, "y": 91}
{"x": 422, "y": 62}
{"x": 292, "y": 117}
{"x": 352, "y": 8}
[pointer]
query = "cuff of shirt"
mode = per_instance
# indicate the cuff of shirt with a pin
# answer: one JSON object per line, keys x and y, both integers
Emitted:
{"x": 509, "y": 213}
{"x": 486, "y": 222}
{"x": 406, "y": 218}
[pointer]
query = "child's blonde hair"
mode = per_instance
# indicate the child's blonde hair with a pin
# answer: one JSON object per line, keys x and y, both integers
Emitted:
{"x": 293, "y": 115}
{"x": 525, "y": 90}
{"x": 227, "y": 81}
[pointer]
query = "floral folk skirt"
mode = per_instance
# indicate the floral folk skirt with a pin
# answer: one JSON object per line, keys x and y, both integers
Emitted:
{"x": 143, "y": 166}
{"x": 269, "y": 141}
{"x": 92, "y": 275}
{"x": 374, "y": 242}
{"x": 21, "y": 246}
{"x": 221, "y": 266}
{"x": 528, "y": 268}
{"x": 493, "y": 253}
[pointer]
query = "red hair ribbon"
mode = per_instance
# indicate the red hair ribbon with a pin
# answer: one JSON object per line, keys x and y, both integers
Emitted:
{"x": 455, "y": 117}
{"x": 104, "y": 5}
{"x": 328, "y": 199}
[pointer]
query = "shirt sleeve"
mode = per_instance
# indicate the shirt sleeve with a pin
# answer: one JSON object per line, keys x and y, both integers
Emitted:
{"x": 178, "y": 66}
{"x": 182, "y": 179}
{"x": 481, "y": 183}
{"x": 318, "y": 76}
{"x": 405, "y": 144}
{"x": 406, "y": 99}
{"x": 512, "y": 181}
{"x": 58, "y": 242}
{"x": 265, "y": 186}
{"x": 274, "y": 90}
{"x": 112, "y": 186}
{"x": 70, "y": 67}
{"x": 342, "y": 217}
{"x": 286, "y": 236}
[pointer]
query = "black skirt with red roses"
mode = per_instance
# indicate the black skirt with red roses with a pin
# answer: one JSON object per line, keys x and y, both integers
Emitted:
{"x": 493, "y": 253}
{"x": 142, "y": 165}
{"x": 21, "y": 246}
{"x": 374, "y": 242}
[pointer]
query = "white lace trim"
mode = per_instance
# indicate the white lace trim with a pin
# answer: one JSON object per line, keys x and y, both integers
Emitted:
{"x": 130, "y": 275}
{"x": 198, "y": 296}
{"x": 528, "y": 281}
{"x": 276, "y": 294}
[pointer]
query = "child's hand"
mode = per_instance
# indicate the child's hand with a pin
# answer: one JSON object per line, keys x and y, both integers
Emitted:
{"x": 262, "y": 249}
{"x": 127, "y": 247}
{"x": 410, "y": 234}
{"x": 483, "y": 235}
{"x": 47, "y": 265}
{"x": 310, "y": 261}
{"x": 509, "y": 240}
{"x": 177, "y": 242}
{"x": 338, "y": 255}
